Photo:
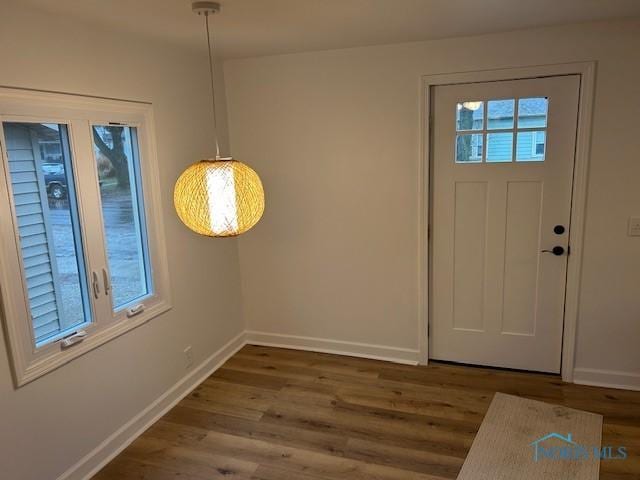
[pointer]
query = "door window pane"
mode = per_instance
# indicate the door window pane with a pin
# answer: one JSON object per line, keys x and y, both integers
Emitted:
{"x": 499, "y": 147}
{"x": 42, "y": 184}
{"x": 117, "y": 161}
{"x": 469, "y": 115}
{"x": 532, "y": 112}
{"x": 531, "y": 146}
{"x": 469, "y": 148}
{"x": 500, "y": 114}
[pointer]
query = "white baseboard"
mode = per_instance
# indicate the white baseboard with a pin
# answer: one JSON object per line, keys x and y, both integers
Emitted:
{"x": 338, "y": 347}
{"x": 607, "y": 378}
{"x": 92, "y": 462}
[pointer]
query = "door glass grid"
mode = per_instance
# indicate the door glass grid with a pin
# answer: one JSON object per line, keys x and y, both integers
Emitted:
{"x": 506, "y": 130}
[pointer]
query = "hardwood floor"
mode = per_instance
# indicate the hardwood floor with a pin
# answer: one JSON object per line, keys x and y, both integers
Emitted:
{"x": 276, "y": 414}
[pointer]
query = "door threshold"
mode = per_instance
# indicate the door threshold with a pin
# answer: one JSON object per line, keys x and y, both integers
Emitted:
{"x": 489, "y": 367}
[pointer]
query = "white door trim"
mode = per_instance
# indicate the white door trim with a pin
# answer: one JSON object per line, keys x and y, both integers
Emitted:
{"x": 586, "y": 70}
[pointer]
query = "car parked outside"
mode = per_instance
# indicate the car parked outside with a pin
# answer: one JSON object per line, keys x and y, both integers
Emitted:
{"x": 55, "y": 180}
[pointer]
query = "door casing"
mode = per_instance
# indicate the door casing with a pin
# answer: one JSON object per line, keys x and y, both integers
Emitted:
{"x": 586, "y": 70}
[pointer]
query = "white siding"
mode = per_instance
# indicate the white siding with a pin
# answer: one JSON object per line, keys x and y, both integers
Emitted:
{"x": 34, "y": 240}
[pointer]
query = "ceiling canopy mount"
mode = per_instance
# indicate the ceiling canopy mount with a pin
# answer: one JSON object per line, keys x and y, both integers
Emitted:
{"x": 205, "y": 8}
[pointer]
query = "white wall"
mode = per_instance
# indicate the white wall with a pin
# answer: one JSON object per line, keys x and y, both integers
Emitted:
{"x": 335, "y": 136}
{"x": 48, "y": 425}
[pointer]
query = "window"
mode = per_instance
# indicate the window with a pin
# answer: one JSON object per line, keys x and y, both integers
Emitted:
{"x": 469, "y": 148}
{"x": 513, "y": 129}
{"x": 50, "y": 151}
{"x": 499, "y": 147}
{"x": 83, "y": 257}
{"x": 118, "y": 167}
{"x": 500, "y": 114}
{"x": 50, "y": 242}
{"x": 538, "y": 144}
{"x": 469, "y": 116}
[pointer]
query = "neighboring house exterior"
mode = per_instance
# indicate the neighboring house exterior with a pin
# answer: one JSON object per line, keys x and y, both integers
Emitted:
{"x": 36, "y": 234}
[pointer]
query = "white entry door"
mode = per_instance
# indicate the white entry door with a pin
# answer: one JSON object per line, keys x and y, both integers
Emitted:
{"x": 502, "y": 172}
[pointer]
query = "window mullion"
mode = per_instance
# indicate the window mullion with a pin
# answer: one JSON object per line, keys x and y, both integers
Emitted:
{"x": 89, "y": 208}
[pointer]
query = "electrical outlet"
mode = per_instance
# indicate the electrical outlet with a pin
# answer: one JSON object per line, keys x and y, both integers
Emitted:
{"x": 188, "y": 357}
{"x": 634, "y": 227}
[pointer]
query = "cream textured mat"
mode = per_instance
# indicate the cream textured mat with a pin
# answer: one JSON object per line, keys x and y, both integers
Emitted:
{"x": 515, "y": 431}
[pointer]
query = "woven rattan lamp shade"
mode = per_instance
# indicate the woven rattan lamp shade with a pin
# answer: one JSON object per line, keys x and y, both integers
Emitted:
{"x": 219, "y": 198}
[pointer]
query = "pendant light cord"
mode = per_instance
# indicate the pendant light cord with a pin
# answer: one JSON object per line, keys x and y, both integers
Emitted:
{"x": 213, "y": 88}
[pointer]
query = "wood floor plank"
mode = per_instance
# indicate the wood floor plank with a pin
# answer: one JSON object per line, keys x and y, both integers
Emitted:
{"x": 272, "y": 473}
{"x": 537, "y": 387}
{"x": 306, "y": 461}
{"x": 404, "y": 458}
{"x": 126, "y": 468}
{"x": 421, "y": 436}
{"x": 281, "y": 434}
{"x": 271, "y": 382}
{"x": 272, "y": 413}
{"x": 296, "y": 460}
{"x": 295, "y": 374}
{"x": 246, "y": 403}
{"x": 419, "y": 405}
{"x": 325, "y": 362}
{"x": 197, "y": 462}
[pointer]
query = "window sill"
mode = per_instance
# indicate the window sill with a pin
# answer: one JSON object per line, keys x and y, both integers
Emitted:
{"x": 57, "y": 357}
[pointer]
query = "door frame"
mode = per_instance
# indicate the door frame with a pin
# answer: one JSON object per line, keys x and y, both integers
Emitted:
{"x": 587, "y": 71}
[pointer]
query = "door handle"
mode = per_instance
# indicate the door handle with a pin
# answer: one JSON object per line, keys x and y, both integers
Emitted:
{"x": 557, "y": 251}
{"x": 106, "y": 282}
{"x": 95, "y": 284}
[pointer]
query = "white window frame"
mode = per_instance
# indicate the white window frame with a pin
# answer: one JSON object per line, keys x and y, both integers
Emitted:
{"x": 79, "y": 114}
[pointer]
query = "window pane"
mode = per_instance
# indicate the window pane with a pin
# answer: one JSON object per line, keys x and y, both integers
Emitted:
{"x": 532, "y": 112}
{"x": 499, "y": 147}
{"x": 40, "y": 168}
{"x": 531, "y": 146}
{"x": 116, "y": 154}
{"x": 469, "y": 115}
{"x": 500, "y": 114}
{"x": 469, "y": 148}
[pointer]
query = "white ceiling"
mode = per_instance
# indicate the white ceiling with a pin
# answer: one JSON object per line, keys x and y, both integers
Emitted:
{"x": 263, "y": 27}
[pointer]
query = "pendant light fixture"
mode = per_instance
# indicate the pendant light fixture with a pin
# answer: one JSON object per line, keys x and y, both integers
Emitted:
{"x": 219, "y": 197}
